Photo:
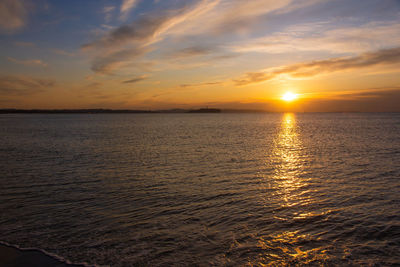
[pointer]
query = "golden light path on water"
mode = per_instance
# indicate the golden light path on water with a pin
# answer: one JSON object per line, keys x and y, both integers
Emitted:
{"x": 288, "y": 160}
{"x": 293, "y": 199}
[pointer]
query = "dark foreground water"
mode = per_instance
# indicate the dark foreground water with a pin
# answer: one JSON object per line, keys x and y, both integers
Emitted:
{"x": 203, "y": 189}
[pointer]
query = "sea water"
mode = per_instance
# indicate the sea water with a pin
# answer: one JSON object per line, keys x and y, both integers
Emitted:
{"x": 203, "y": 189}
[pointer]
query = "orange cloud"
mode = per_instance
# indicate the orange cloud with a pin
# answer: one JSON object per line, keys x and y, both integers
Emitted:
{"x": 307, "y": 69}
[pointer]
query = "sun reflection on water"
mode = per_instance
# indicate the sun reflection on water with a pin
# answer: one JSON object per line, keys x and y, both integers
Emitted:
{"x": 288, "y": 160}
{"x": 292, "y": 199}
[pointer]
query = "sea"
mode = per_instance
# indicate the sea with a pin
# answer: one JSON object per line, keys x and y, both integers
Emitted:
{"x": 226, "y": 189}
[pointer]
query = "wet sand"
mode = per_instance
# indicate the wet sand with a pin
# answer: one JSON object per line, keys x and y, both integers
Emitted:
{"x": 13, "y": 257}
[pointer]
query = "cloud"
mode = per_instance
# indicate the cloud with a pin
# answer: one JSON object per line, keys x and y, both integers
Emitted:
{"x": 175, "y": 32}
{"x": 13, "y": 14}
{"x": 23, "y": 85}
{"x": 105, "y": 64}
{"x": 136, "y": 79}
{"x": 162, "y": 28}
{"x": 29, "y": 62}
{"x": 229, "y": 17}
{"x": 254, "y": 77}
{"x": 148, "y": 27}
{"x": 367, "y": 100}
{"x": 124, "y": 44}
{"x": 308, "y": 69}
{"x": 239, "y": 16}
{"x": 200, "y": 84}
{"x": 374, "y": 93}
{"x": 319, "y": 37}
{"x": 142, "y": 30}
{"x": 126, "y": 7}
{"x": 63, "y": 52}
{"x": 128, "y": 42}
{"x": 107, "y": 11}
{"x": 193, "y": 51}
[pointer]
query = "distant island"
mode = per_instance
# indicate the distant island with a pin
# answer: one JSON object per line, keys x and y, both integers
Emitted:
{"x": 205, "y": 110}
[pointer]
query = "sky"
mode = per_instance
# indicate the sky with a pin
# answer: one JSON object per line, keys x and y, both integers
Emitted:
{"x": 336, "y": 55}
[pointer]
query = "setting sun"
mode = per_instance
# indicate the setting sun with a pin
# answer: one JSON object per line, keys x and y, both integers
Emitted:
{"x": 289, "y": 96}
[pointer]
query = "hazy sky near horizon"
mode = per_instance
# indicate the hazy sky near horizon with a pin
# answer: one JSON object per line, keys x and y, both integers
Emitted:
{"x": 338, "y": 55}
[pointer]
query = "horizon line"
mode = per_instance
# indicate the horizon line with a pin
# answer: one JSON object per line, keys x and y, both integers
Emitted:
{"x": 165, "y": 111}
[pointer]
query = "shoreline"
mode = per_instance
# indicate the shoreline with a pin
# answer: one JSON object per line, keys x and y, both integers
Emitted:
{"x": 14, "y": 256}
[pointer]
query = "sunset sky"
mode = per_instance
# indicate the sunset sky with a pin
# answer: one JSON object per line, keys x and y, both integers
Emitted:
{"x": 336, "y": 55}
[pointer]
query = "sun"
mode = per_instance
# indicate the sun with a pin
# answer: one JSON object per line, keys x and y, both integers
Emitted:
{"x": 289, "y": 96}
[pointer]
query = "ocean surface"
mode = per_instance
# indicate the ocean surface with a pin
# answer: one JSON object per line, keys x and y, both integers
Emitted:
{"x": 203, "y": 189}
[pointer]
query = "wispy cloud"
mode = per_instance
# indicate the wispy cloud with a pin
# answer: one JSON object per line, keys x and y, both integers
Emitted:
{"x": 128, "y": 42}
{"x": 308, "y": 69}
{"x": 142, "y": 30}
{"x": 148, "y": 28}
{"x": 63, "y": 52}
{"x": 126, "y": 7}
{"x": 217, "y": 18}
{"x": 28, "y": 62}
{"x": 319, "y": 37}
{"x": 193, "y": 51}
{"x": 229, "y": 17}
{"x": 23, "y": 85}
{"x": 13, "y": 14}
{"x": 106, "y": 64}
{"x": 107, "y": 11}
{"x": 136, "y": 79}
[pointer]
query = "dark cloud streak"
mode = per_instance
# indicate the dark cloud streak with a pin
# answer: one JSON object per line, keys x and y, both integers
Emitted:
{"x": 193, "y": 51}
{"x": 200, "y": 84}
{"x": 135, "y": 80}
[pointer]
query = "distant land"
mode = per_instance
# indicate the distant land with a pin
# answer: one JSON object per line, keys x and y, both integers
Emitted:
{"x": 93, "y": 111}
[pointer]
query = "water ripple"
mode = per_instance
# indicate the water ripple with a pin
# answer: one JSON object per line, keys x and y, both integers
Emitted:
{"x": 201, "y": 189}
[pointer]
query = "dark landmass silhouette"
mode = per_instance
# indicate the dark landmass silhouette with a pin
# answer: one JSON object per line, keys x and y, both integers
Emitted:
{"x": 205, "y": 110}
